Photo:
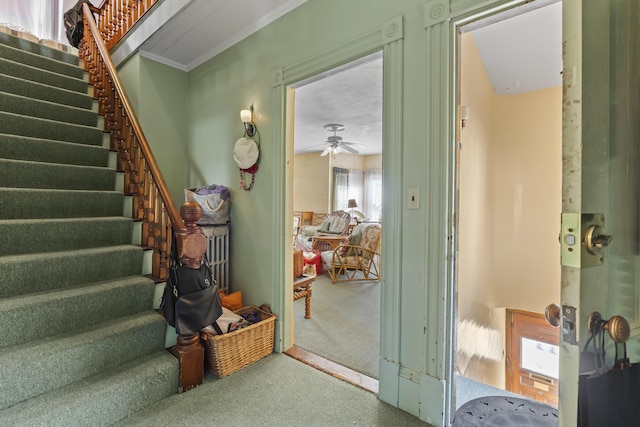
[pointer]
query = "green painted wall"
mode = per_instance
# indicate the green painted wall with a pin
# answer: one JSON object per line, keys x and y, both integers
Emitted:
{"x": 242, "y": 76}
{"x": 162, "y": 114}
{"x": 417, "y": 295}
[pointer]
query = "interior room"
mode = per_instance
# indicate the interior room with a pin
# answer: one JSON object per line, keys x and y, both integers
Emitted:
{"x": 338, "y": 167}
{"x": 509, "y": 195}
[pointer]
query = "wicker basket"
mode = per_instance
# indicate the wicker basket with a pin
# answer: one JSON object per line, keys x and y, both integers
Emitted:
{"x": 228, "y": 353}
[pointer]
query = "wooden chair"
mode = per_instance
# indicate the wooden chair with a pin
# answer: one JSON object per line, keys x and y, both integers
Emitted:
{"x": 358, "y": 259}
{"x": 307, "y": 218}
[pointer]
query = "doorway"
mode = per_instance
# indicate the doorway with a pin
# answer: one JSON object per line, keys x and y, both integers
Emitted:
{"x": 509, "y": 186}
{"x": 346, "y": 101}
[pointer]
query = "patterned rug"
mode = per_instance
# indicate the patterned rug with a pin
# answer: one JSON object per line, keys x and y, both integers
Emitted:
{"x": 500, "y": 411}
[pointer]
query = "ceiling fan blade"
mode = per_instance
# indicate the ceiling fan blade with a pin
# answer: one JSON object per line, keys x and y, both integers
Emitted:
{"x": 326, "y": 151}
{"x": 349, "y": 149}
{"x": 317, "y": 145}
{"x": 352, "y": 143}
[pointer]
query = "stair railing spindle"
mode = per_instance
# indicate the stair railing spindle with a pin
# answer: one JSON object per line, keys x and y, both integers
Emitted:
{"x": 117, "y": 17}
{"x": 152, "y": 203}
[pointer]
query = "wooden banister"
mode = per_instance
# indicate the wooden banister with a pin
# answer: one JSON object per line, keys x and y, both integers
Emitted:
{"x": 117, "y": 17}
{"x": 152, "y": 203}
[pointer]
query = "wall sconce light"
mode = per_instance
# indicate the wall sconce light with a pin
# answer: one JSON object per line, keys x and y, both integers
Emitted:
{"x": 247, "y": 118}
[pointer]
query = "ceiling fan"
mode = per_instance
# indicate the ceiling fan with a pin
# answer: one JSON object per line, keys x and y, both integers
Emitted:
{"x": 336, "y": 144}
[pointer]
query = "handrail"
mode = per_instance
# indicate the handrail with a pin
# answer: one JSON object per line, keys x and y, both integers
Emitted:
{"x": 152, "y": 203}
{"x": 117, "y": 17}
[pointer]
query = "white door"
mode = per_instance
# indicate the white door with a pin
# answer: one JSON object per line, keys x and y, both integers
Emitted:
{"x": 601, "y": 131}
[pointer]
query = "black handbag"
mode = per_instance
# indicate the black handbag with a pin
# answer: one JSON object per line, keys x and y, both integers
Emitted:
{"x": 190, "y": 300}
{"x": 608, "y": 397}
{"x": 73, "y": 23}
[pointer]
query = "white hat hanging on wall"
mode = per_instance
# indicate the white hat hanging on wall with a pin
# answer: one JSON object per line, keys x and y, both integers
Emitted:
{"x": 246, "y": 152}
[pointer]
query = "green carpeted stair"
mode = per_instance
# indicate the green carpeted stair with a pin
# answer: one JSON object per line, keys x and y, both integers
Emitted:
{"x": 80, "y": 343}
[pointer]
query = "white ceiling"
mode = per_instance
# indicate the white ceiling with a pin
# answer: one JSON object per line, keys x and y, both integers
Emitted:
{"x": 351, "y": 96}
{"x": 204, "y": 28}
{"x": 520, "y": 54}
{"x": 523, "y": 53}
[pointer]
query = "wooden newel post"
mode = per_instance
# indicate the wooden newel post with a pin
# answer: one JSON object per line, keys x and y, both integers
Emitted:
{"x": 191, "y": 245}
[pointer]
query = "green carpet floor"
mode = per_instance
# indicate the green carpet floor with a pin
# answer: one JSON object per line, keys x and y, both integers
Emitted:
{"x": 344, "y": 325}
{"x": 275, "y": 391}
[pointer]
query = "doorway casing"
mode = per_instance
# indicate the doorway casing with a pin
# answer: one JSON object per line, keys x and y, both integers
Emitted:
{"x": 388, "y": 38}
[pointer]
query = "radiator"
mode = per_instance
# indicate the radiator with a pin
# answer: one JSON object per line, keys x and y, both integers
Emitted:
{"x": 218, "y": 253}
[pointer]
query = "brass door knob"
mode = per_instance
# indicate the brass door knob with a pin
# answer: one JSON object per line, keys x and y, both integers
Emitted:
{"x": 552, "y": 314}
{"x": 617, "y": 326}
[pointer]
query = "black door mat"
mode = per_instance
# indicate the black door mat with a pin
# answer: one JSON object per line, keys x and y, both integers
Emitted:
{"x": 500, "y": 411}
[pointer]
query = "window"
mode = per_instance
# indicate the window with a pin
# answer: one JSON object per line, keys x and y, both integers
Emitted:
{"x": 340, "y": 189}
{"x": 365, "y": 187}
{"x": 372, "y": 206}
{"x": 42, "y": 18}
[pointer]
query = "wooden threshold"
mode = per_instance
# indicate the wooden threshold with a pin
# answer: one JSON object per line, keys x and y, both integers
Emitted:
{"x": 335, "y": 370}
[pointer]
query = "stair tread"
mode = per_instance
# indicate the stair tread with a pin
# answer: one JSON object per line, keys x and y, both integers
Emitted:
{"x": 36, "y": 127}
{"x": 53, "y": 221}
{"x": 33, "y": 149}
{"x": 33, "y": 350}
{"x": 24, "y": 236}
{"x": 37, "y": 90}
{"x": 19, "y": 69}
{"x": 41, "y": 271}
{"x": 55, "y": 255}
{"x": 69, "y": 402}
{"x": 59, "y": 203}
{"x": 40, "y": 61}
{"x": 90, "y": 349}
{"x": 60, "y": 165}
{"x": 96, "y": 353}
{"x": 68, "y": 54}
{"x": 21, "y": 301}
{"x": 29, "y": 174}
{"x": 45, "y": 109}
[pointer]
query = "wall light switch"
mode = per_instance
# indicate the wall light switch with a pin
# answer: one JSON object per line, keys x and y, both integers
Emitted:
{"x": 413, "y": 199}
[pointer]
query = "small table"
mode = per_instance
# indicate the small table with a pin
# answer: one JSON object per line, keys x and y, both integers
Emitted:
{"x": 302, "y": 289}
{"x": 327, "y": 242}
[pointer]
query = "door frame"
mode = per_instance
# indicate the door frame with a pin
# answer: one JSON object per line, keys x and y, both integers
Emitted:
{"x": 388, "y": 38}
{"x": 443, "y": 20}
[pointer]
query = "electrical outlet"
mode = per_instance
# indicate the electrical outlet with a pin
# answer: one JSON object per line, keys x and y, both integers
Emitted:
{"x": 413, "y": 198}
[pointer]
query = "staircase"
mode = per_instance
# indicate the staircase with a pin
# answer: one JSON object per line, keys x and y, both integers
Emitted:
{"x": 79, "y": 341}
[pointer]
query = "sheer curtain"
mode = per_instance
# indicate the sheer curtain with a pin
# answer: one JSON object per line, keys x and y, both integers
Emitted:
{"x": 347, "y": 184}
{"x": 355, "y": 188}
{"x": 42, "y": 18}
{"x": 340, "y": 189}
{"x": 372, "y": 207}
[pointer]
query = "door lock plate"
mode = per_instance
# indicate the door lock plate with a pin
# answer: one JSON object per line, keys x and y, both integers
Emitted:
{"x": 569, "y": 330}
{"x": 583, "y": 239}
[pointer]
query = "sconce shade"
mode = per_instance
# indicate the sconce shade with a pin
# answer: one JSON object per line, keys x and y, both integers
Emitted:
{"x": 352, "y": 204}
{"x": 245, "y": 116}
